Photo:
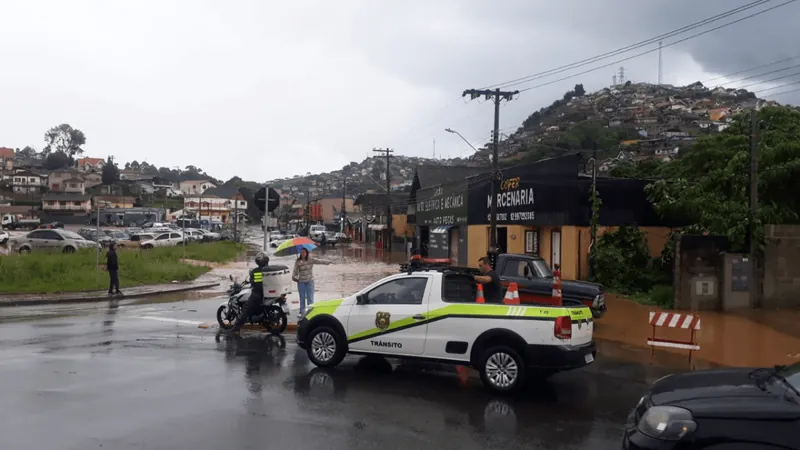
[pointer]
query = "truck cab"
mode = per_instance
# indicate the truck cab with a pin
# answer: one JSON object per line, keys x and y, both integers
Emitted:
{"x": 534, "y": 278}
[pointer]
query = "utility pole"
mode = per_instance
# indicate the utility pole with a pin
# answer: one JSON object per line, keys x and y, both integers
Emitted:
{"x": 266, "y": 217}
{"x": 307, "y": 211}
{"x": 388, "y": 153}
{"x": 497, "y": 96}
{"x": 754, "y": 291}
{"x": 343, "y": 212}
{"x": 235, "y": 217}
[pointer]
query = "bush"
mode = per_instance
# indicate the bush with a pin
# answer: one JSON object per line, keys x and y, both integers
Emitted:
{"x": 58, "y": 272}
{"x": 621, "y": 261}
{"x": 662, "y": 296}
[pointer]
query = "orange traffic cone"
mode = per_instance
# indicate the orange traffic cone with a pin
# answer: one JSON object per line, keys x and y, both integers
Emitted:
{"x": 480, "y": 298}
{"x": 512, "y": 295}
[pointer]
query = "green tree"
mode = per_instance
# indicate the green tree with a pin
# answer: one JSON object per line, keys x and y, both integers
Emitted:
{"x": 64, "y": 138}
{"x": 579, "y": 90}
{"x": 709, "y": 184}
{"x": 27, "y": 152}
{"x": 110, "y": 173}
{"x": 57, "y": 160}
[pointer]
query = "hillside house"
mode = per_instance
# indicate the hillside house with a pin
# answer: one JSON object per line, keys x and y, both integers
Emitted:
{"x": 646, "y": 120}
{"x": 6, "y": 159}
{"x": 703, "y": 124}
{"x": 552, "y": 128}
{"x": 673, "y": 132}
{"x": 90, "y": 164}
{"x": 67, "y": 202}
{"x": 614, "y": 122}
{"x": 74, "y": 186}
{"x": 718, "y": 114}
{"x": 27, "y": 182}
{"x": 195, "y": 187}
{"x": 57, "y": 178}
{"x": 721, "y": 126}
{"x": 114, "y": 201}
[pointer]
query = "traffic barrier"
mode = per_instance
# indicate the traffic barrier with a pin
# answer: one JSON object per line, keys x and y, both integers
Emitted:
{"x": 480, "y": 298}
{"x": 672, "y": 320}
{"x": 512, "y": 294}
{"x": 557, "y": 286}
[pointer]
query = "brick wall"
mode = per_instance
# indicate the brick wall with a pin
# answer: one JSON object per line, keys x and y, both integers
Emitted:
{"x": 782, "y": 266}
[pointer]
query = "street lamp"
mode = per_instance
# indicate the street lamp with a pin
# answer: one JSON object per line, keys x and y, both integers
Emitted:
{"x": 462, "y": 137}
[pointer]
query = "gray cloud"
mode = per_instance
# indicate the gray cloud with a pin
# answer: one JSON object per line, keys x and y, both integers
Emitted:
{"x": 265, "y": 90}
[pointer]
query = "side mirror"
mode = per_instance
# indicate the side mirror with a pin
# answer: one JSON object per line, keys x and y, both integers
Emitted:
{"x": 361, "y": 299}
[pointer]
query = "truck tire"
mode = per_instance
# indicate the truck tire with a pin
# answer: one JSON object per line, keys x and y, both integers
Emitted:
{"x": 25, "y": 251}
{"x": 69, "y": 249}
{"x": 502, "y": 369}
{"x": 326, "y": 347}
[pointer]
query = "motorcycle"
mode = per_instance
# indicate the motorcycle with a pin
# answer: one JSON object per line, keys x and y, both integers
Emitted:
{"x": 273, "y": 315}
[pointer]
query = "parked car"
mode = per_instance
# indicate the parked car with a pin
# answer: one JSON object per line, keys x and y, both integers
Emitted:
{"x": 3, "y": 237}
{"x": 52, "y": 240}
{"x": 93, "y": 234}
{"x": 50, "y": 226}
{"x": 169, "y": 239}
{"x": 121, "y": 238}
{"x": 211, "y": 235}
{"x": 193, "y": 235}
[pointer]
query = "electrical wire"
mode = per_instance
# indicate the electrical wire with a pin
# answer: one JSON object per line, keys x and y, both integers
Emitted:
{"x": 656, "y": 49}
{"x": 760, "y": 75}
{"x": 628, "y": 48}
{"x": 751, "y": 68}
{"x": 769, "y": 81}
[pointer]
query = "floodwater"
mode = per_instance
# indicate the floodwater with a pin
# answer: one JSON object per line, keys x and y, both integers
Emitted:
{"x": 744, "y": 339}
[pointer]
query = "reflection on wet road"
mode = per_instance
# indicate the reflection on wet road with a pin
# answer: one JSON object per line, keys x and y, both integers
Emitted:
{"x": 112, "y": 377}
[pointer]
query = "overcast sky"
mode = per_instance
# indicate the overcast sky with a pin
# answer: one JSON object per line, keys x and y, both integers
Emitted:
{"x": 265, "y": 89}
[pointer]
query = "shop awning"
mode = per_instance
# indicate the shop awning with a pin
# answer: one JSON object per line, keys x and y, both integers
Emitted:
{"x": 377, "y": 226}
{"x": 442, "y": 229}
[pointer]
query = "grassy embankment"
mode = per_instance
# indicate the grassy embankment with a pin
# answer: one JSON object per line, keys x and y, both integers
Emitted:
{"x": 57, "y": 272}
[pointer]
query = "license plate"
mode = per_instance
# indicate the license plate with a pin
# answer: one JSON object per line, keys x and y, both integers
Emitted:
{"x": 589, "y": 358}
{"x": 285, "y": 308}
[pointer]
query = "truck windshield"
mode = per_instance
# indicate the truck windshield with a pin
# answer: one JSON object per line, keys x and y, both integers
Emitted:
{"x": 542, "y": 269}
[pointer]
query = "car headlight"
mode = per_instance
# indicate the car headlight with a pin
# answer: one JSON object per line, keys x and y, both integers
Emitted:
{"x": 305, "y": 313}
{"x": 667, "y": 423}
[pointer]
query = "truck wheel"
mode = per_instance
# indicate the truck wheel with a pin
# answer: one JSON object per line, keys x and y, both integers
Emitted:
{"x": 25, "y": 251}
{"x": 69, "y": 249}
{"x": 326, "y": 348}
{"x": 502, "y": 369}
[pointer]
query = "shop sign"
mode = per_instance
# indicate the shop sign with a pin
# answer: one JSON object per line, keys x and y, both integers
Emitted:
{"x": 513, "y": 196}
{"x": 441, "y": 206}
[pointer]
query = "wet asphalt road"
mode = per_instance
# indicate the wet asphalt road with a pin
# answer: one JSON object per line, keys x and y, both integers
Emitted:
{"x": 144, "y": 376}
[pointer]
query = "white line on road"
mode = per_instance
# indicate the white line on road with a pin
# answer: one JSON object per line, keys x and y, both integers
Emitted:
{"x": 169, "y": 319}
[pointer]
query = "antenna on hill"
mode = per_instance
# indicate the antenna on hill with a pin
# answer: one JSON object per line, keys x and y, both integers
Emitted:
{"x": 660, "y": 65}
{"x": 614, "y": 80}
{"x": 622, "y": 75}
{"x": 434, "y": 148}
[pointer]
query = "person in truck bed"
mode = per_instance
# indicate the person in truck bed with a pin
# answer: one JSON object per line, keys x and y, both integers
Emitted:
{"x": 492, "y": 289}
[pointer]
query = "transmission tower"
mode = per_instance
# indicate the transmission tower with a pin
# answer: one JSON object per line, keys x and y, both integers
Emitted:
{"x": 660, "y": 66}
{"x": 621, "y": 75}
{"x": 614, "y": 82}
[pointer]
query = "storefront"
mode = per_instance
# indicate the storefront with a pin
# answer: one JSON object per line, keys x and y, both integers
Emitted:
{"x": 441, "y": 220}
{"x": 550, "y": 217}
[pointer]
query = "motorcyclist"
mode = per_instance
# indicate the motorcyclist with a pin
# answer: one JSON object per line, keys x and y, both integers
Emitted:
{"x": 253, "y": 305}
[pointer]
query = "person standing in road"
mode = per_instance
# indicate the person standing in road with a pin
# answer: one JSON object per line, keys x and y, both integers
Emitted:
{"x": 492, "y": 289}
{"x": 112, "y": 265}
{"x": 303, "y": 275}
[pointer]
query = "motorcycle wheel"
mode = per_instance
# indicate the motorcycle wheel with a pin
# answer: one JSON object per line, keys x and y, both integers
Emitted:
{"x": 225, "y": 318}
{"x": 275, "y": 320}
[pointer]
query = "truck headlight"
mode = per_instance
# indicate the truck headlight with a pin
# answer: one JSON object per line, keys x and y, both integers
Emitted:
{"x": 305, "y": 313}
{"x": 667, "y": 423}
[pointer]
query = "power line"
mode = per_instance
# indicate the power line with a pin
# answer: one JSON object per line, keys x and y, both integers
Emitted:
{"x": 769, "y": 81}
{"x": 628, "y": 47}
{"x": 656, "y": 49}
{"x": 760, "y": 75}
{"x": 749, "y": 69}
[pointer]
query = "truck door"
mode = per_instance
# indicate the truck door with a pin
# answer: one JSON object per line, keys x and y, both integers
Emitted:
{"x": 532, "y": 288}
{"x": 391, "y": 318}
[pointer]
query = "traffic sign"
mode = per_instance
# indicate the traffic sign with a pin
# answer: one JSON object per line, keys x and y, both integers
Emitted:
{"x": 274, "y": 199}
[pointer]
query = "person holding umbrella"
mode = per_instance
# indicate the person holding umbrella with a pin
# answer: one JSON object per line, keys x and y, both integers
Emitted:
{"x": 303, "y": 275}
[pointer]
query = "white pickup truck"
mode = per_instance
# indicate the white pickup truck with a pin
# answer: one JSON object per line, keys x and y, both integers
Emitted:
{"x": 432, "y": 314}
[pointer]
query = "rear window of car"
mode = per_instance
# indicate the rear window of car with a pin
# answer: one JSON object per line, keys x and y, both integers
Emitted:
{"x": 459, "y": 288}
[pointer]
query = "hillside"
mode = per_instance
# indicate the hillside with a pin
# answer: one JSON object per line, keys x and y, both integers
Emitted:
{"x": 634, "y": 122}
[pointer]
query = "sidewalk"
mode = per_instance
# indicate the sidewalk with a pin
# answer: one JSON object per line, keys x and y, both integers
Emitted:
{"x": 744, "y": 339}
{"x": 102, "y": 295}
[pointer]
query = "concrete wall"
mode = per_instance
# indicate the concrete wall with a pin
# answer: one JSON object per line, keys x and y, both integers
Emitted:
{"x": 781, "y": 266}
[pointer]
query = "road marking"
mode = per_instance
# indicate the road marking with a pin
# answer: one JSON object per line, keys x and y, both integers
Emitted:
{"x": 171, "y": 320}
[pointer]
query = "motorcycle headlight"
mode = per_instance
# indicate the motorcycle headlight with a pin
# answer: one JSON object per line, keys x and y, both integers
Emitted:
{"x": 667, "y": 423}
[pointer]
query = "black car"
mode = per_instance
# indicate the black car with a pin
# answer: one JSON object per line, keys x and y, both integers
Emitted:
{"x": 725, "y": 409}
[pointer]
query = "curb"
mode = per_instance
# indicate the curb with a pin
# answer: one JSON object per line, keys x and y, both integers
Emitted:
{"x": 85, "y": 299}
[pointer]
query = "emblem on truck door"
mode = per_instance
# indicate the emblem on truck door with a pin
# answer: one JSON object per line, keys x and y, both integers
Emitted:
{"x": 382, "y": 320}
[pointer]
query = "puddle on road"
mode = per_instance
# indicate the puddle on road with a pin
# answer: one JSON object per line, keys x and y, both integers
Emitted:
{"x": 746, "y": 339}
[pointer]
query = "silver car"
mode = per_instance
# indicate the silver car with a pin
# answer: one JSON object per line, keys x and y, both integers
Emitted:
{"x": 53, "y": 240}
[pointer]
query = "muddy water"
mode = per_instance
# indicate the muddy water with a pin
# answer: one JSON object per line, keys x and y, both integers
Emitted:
{"x": 747, "y": 339}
